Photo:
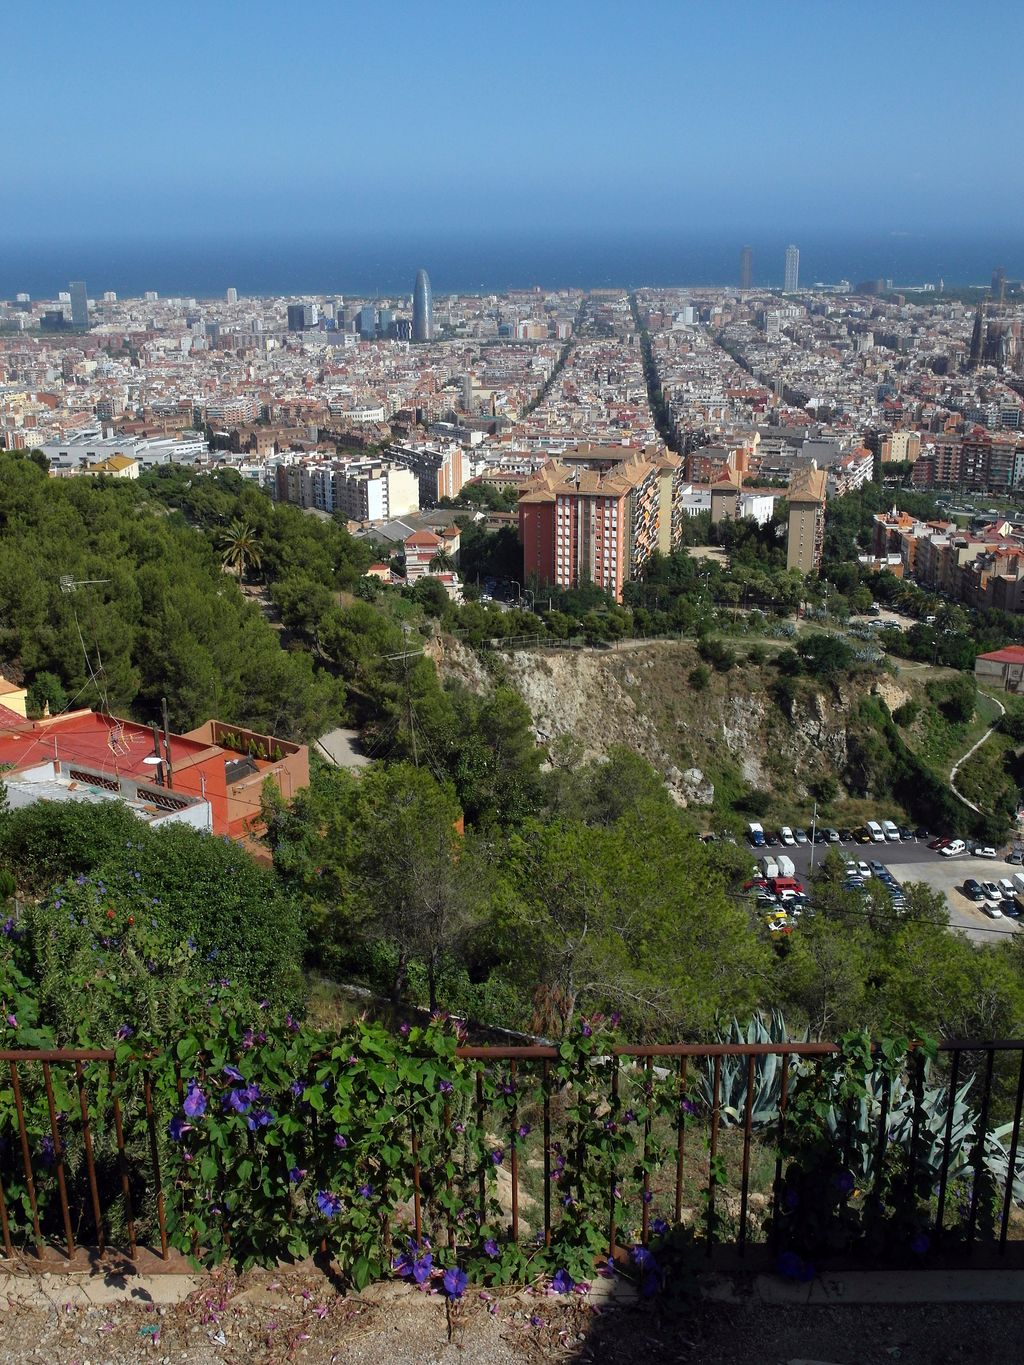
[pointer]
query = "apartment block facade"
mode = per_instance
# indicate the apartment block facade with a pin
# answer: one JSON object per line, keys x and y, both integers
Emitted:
{"x": 806, "y": 536}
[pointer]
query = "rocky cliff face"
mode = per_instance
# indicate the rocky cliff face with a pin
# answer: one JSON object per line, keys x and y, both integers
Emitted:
{"x": 640, "y": 695}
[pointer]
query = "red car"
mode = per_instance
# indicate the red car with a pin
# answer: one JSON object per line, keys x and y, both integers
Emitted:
{"x": 754, "y": 884}
{"x": 939, "y": 843}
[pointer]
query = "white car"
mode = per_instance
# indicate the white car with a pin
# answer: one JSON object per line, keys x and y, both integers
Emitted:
{"x": 992, "y": 892}
{"x": 993, "y": 911}
{"x": 953, "y": 849}
{"x": 1007, "y": 887}
{"x": 863, "y": 870}
{"x": 787, "y": 836}
{"x": 984, "y": 851}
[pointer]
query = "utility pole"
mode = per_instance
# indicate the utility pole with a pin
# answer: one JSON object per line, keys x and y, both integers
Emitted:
{"x": 814, "y": 830}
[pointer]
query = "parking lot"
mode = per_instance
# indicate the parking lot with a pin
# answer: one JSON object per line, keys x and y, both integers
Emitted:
{"x": 911, "y": 861}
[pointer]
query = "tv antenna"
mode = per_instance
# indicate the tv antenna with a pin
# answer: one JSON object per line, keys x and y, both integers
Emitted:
{"x": 69, "y": 584}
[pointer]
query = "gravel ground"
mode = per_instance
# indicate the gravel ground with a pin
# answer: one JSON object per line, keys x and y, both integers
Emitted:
{"x": 262, "y": 1318}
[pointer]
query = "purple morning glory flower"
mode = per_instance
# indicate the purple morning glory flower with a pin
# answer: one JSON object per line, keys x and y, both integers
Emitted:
{"x": 455, "y": 1282}
{"x": 688, "y": 1107}
{"x": 642, "y": 1258}
{"x": 523, "y": 1130}
{"x": 648, "y": 1196}
{"x": 562, "y": 1282}
{"x": 586, "y": 1030}
{"x": 445, "y": 1087}
{"x": 177, "y": 1128}
{"x": 403, "y": 1029}
{"x": 296, "y": 1174}
{"x": 259, "y": 1118}
{"x": 12, "y": 1020}
{"x": 421, "y": 1268}
{"x": 498, "y": 1155}
{"x": 195, "y": 1101}
{"x": 233, "y": 1073}
{"x": 650, "y": 1284}
{"x": 491, "y": 1247}
{"x": 236, "y": 1100}
{"x": 365, "y": 1191}
{"x": 659, "y": 1227}
{"x": 844, "y": 1182}
{"x": 291, "y": 1024}
{"x": 329, "y": 1204}
{"x": 920, "y": 1243}
{"x": 296, "y": 1088}
{"x": 125, "y": 1031}
{"x": 340, "y": 1140}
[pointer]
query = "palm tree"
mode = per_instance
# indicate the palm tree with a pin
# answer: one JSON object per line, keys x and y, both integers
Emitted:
{"x": 240, "y": 548}
{"x": 442, "y": 562}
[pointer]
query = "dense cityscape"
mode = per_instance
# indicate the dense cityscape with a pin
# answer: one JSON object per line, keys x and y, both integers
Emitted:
{"x": 511, "y": 684}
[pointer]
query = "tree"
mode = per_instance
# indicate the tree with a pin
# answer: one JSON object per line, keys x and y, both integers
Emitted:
{"x": 46, "y": 692}
{"x": 241, "y": 549}
{"x": 442, "y": 562}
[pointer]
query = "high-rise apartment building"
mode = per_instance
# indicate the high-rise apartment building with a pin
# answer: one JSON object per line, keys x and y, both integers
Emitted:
{"x": 792, "y": 283}
{"x": 597, "y": 524}
{"x": 806, "y": 519}
{"x": 79, "y": 304}
{"x": 231, "y": 296}
{"x": 746, "y": 268}
{"x": 422, "y": 308}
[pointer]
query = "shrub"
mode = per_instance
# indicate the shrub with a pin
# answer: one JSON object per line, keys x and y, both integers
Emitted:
{"x": 906, "y": 714}
{"x": 700, "y": 678}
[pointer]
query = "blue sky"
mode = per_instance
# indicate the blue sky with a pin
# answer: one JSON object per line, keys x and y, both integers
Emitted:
{"x": 224, "y": 118}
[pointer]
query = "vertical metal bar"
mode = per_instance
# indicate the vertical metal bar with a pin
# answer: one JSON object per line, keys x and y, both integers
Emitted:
{"x": 447, "y": 1178}
{"x": 147, "y": 1090}
{"x": 882, "y": 1140}
{"x": 90, "y": 1165}
{"x": 416, "y": 1209}
{"x": 1012, "y": 1161}
{"x": 26, "y": 1158}
{"x": 58, "y": 1157}
{"x": 122, "y": 1163}
{"x": 645, "y": 1216}
{"x": 715, "y": 1114}
{"x": 978, "y": 1156}
{"x": 680, "y": 1140}
{"x": 777, "y": 1181}
{"x": 5, "y": 1227}
{"x": 514, "y": 1155}
{"x": 546, "y": 1082}
{"x": 748, "y": 1115}
{"x": 482, "y": 1179}
{"x": 917, "y": 1066}
{"x": 613, "y": 1177}
{"x": 954, "y": 1076}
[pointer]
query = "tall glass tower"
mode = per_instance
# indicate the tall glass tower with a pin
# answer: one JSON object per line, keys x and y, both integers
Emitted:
{"x": 79, "y": 304}
{"x": 792, "y": 283}
{"x": 422, "y": 308}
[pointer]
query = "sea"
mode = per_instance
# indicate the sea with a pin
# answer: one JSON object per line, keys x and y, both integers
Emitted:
{"x": 360, "y": 264}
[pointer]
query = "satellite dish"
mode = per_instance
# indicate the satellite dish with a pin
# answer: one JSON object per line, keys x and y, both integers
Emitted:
{"x": 152, "y": 758}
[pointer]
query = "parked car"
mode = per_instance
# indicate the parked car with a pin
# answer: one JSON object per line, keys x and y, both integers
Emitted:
{"x": 992, "y": 892}
{"x": 819, "y": 837}
{"x": 832, "y": 835}
{"x": 921, "y": 832}
{"x": 1010, "y": 909}
{"x": 992, "y": 909}
{"x": 863, "y": 870}
{"x": 862, "y": 836}
{"x": 771, "y": 838}
{"x": 1015, "y": 859}
{"x": 891, "y": 831}
{"x": 973, "y": 889}
{"x": 984, "y": 851}
{"x": 800, "y": 835}
{"x": 906, "y": 833}
{"x": 846, "y": 836}
{"x": 939, "y": 844}
{"x": 952, "y": 848}
{"x": 877, "y": 869}
{"x": 786, "y": 835}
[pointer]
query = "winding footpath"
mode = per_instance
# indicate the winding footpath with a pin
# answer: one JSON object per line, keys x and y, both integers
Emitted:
{"x": 964, "y": 757}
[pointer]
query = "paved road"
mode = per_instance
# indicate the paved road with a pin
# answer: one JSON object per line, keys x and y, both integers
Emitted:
{"x": 916, "y": 862}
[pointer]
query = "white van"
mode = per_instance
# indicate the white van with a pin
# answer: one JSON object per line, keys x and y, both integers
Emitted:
{"x": 1018, "y": 880}
{"x": 755, "y": 833}
{"x": 952, "y": 849}
{"x": 769, "y": 867}
{"x": 875, "y": 830}
{"x": 890, "y": 831}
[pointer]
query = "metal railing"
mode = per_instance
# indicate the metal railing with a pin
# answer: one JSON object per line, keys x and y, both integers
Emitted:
{"x": 710, "y": 1146}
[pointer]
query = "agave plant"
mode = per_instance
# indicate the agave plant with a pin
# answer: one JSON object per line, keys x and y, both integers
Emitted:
{"x": 732, "y": 1087}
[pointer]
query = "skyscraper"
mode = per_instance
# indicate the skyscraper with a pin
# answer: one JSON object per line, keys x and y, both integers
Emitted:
{"x": 231, "y": 296}
{"x": 422, "y": 308}
{"x": 792, "y": 283}
{"x": 79, "y": 304}
{"x": 746, "y": 267}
